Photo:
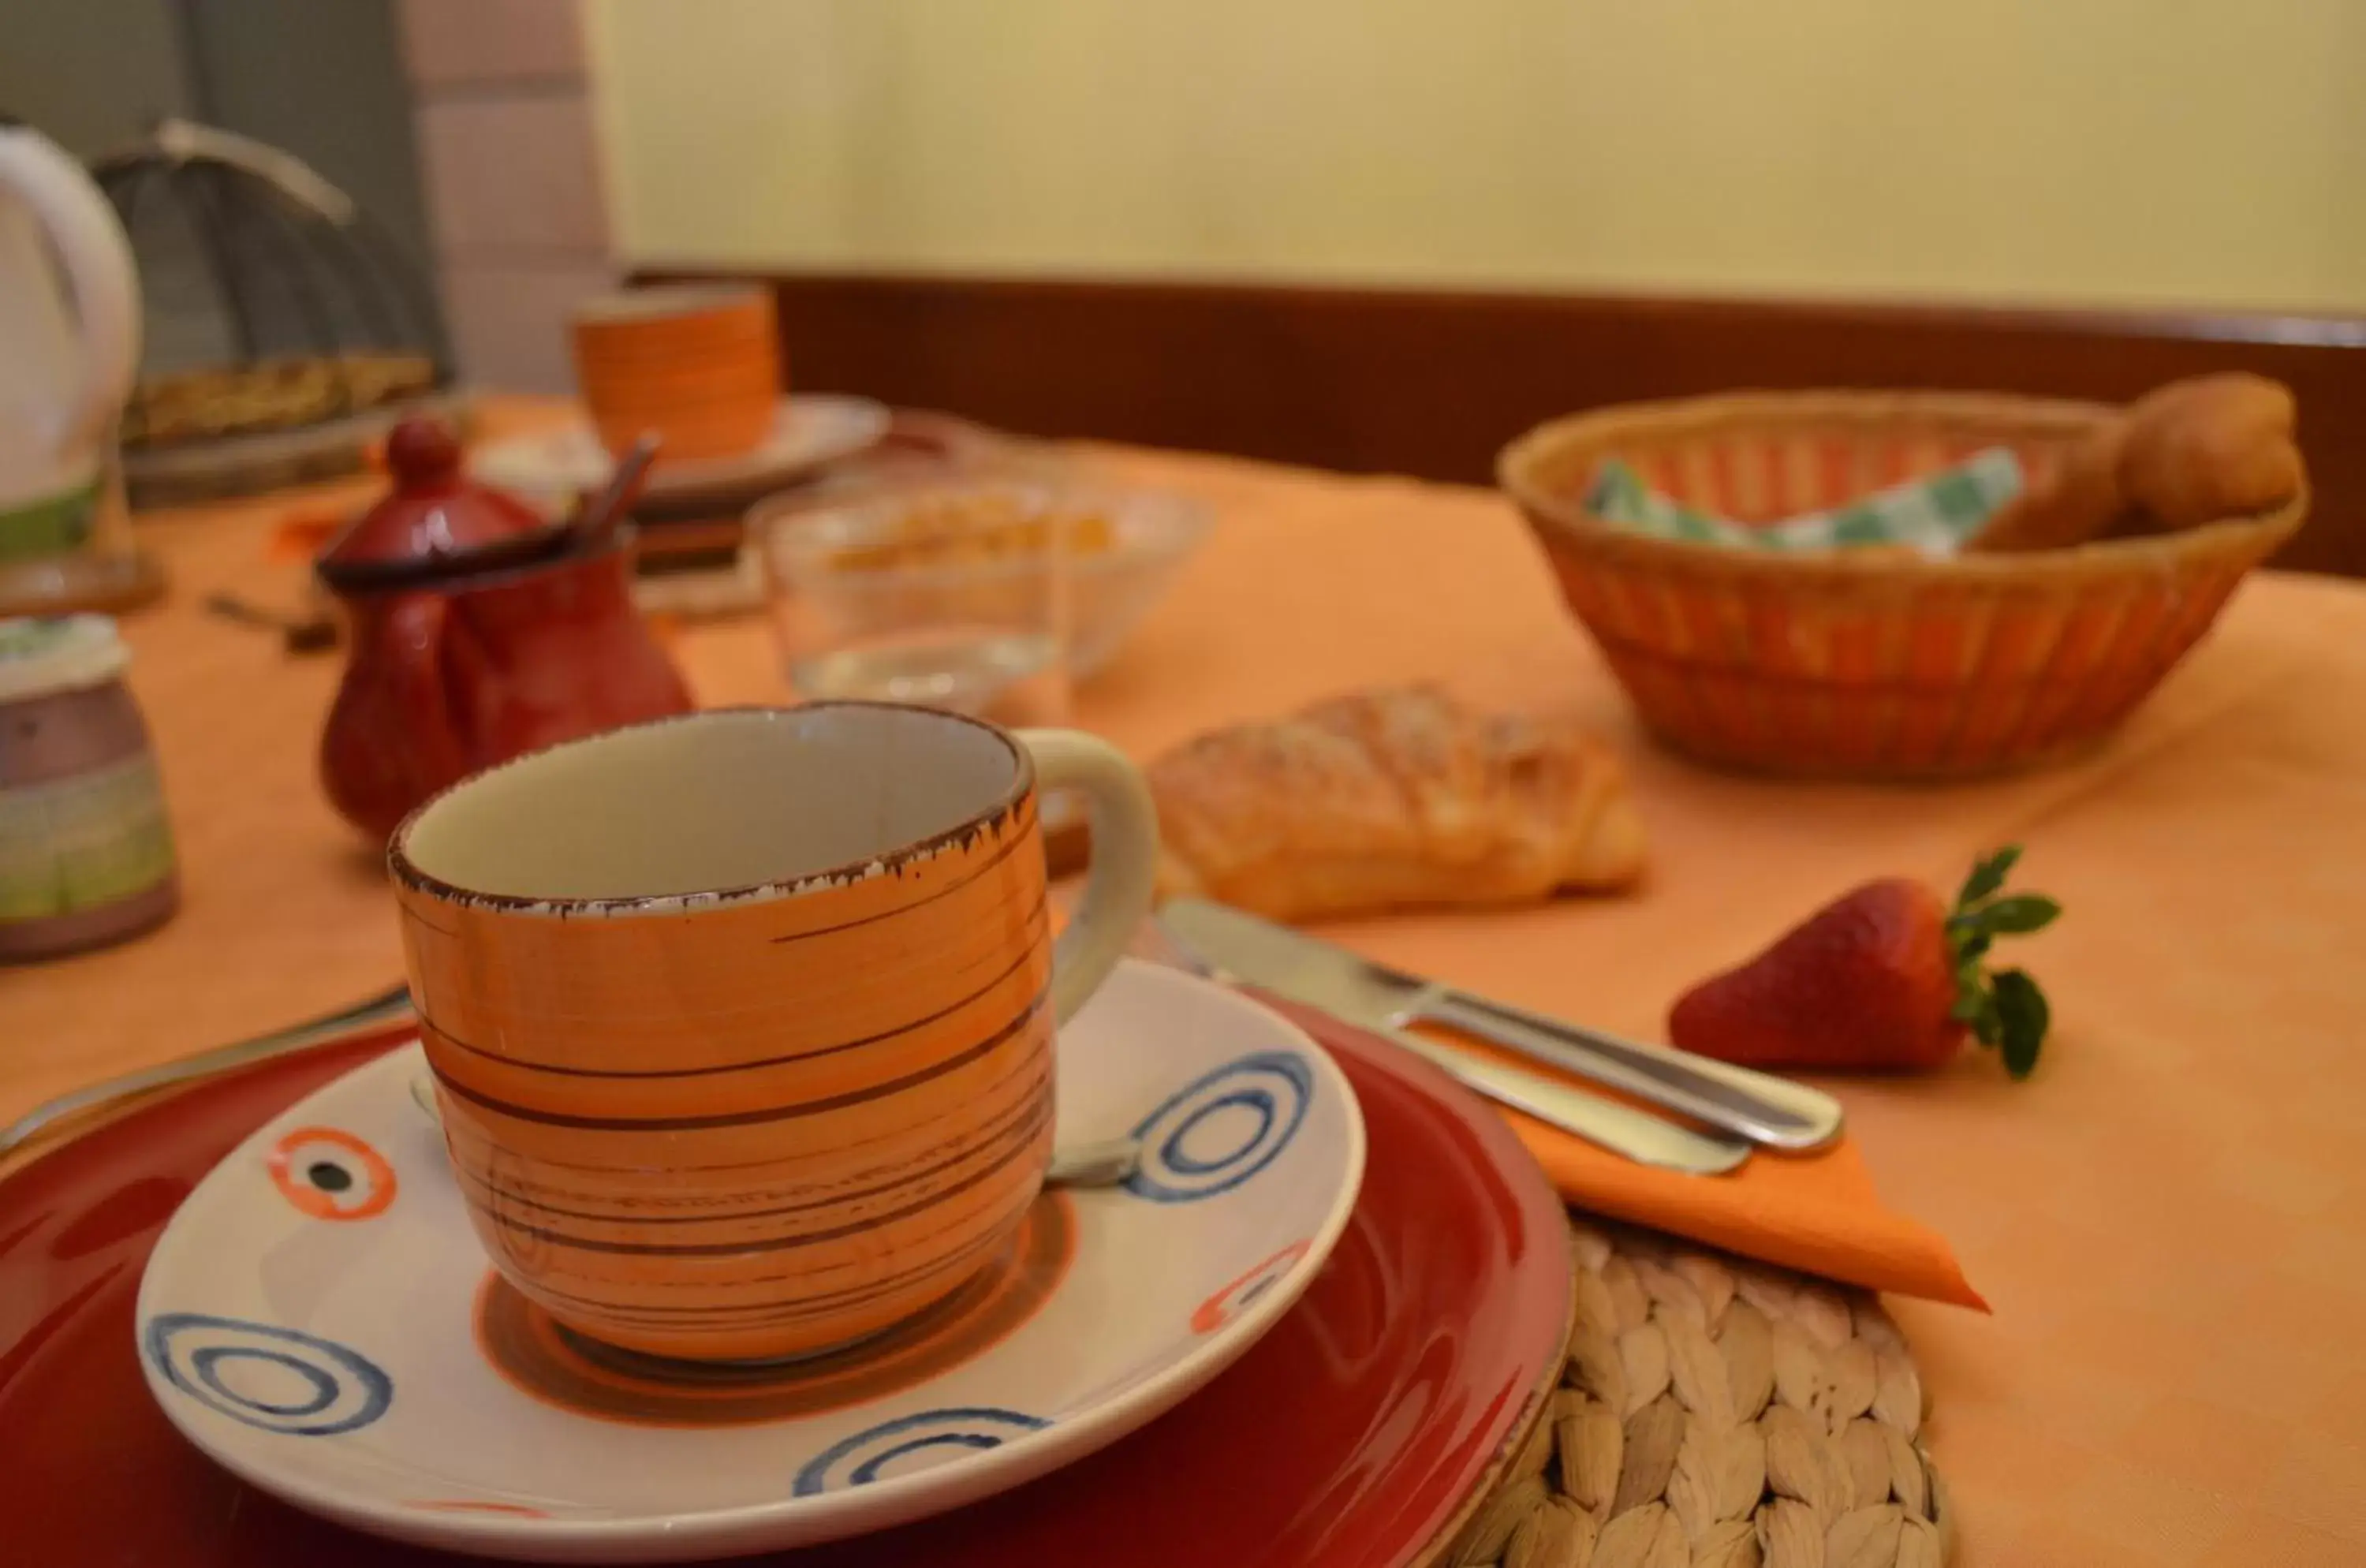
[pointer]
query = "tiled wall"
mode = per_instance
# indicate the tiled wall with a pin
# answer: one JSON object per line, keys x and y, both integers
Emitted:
{"x": 514, "y": 194}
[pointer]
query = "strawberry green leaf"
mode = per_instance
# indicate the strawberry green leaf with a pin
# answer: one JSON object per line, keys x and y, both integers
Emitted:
{"x": 1970, "y": 988}
{"x": 2018, "y": 915}
{"x": 1988, "y": 874}
{"x": 1970, "y": 944}
{"x": 2024, "y": 1017}
{"x": 1977, "y": 1006}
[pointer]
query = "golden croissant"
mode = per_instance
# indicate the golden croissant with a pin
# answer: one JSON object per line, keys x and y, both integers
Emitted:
{"x": 1392, "y": 799}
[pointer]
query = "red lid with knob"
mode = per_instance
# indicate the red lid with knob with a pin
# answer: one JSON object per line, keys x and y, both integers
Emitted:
{"x": 436, "y": 520}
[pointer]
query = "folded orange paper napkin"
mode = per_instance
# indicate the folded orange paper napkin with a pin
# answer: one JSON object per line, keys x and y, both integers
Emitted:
{"x": 1815, "y": 1212}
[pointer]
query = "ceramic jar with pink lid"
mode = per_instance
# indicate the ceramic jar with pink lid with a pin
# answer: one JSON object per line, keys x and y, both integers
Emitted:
{"x": 85, "y": 849}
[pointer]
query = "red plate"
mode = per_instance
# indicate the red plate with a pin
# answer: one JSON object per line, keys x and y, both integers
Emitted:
{"x": 1356, "y": 1434}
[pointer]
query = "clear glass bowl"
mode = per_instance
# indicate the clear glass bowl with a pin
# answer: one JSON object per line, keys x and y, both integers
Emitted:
{"x": 901, "y": 559}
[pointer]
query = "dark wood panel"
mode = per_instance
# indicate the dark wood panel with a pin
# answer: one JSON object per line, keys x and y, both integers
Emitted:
{"x": 1431, "y": 384}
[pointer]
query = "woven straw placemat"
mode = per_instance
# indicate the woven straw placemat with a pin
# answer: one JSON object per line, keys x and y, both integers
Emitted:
{"x": 1717, "y": 1413}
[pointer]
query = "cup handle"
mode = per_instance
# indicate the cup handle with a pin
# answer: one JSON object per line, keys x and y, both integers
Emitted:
{"x": 1125, "y": 857}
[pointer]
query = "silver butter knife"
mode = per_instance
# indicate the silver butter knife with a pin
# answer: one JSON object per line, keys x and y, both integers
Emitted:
{"x": 1637, "y": 1135}
{"x": 1757, "y": 1106}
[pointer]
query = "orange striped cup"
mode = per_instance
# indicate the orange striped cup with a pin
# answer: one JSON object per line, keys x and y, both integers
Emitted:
{"x": 741, "y": 1021}
{"x": 698, "y": 366}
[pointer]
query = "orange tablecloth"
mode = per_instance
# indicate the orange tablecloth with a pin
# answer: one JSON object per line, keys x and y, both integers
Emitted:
{"x": 2171, "y": 1219}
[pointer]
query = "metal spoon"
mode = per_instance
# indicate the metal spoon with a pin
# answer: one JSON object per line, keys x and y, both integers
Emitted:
{"x": 606, "y": 511}
{"x": 1106, "y": 1164}
{"x": 386, "y": 1007}
{"x": 1102, "y": 1164}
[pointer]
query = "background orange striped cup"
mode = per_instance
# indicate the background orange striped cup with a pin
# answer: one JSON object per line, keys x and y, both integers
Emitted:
{"x": 697, "y": 365}
{"x": 741, "y": 1022}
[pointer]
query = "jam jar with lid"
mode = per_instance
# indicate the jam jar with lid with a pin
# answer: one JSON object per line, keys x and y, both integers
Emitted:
{"x": 85, "y": 849}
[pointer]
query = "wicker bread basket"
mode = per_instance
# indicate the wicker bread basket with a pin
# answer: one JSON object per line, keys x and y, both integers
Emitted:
{"x": 1868, "y": 664}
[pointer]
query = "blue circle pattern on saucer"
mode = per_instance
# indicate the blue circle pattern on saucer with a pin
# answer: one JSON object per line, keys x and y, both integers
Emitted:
{"x": 859, "y": 1460}
{"x": 343, "y": 1390}
{"x": 1275, "y": 1088}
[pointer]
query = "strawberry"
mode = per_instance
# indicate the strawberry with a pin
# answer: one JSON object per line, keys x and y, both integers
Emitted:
{"x": 1887, "y": 977}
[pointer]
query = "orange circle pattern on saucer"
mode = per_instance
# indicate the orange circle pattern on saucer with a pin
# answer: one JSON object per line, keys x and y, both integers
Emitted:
{"x": 696, "y": 365}
{"x": 852, "y": 1114}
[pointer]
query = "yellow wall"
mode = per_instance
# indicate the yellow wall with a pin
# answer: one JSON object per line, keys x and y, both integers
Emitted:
{"x": 2172, "y": 151}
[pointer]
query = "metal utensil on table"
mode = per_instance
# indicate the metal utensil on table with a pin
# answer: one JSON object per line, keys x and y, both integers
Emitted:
{"x": 1771, "y": 1111}
{"x": 1104, "y": 1163}
{"x": 1635, "y": 1135}
{"x": 311, "y": 632}
{"x": 1764, "y": 1108}
{"x": 386, "y": 1007}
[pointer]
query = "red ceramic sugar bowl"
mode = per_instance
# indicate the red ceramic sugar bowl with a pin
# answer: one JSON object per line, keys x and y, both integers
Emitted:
{"x": 480, "y": 630}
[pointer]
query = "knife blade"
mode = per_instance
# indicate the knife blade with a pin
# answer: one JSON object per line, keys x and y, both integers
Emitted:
{"x": 1643, "y": 1138}
{"x": 1765, "y": 1110}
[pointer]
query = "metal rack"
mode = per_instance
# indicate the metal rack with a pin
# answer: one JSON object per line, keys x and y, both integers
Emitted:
{"x": 288, "y": 323}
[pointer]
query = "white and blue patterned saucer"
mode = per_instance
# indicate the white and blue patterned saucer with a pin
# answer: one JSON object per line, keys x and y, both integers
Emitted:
{"x": 320, "y": 1319}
